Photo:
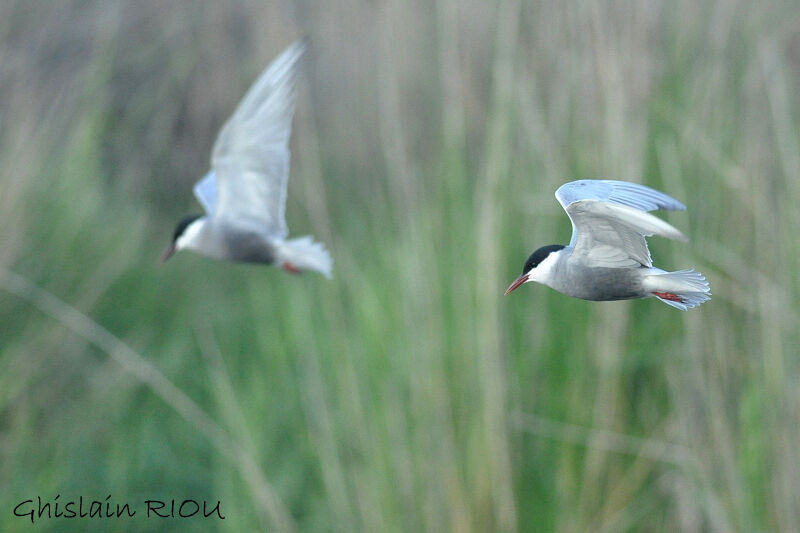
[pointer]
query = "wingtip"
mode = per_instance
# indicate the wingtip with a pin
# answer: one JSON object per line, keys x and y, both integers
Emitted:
{"x": 301, "y": 45}
{"x": 675, "y": 206}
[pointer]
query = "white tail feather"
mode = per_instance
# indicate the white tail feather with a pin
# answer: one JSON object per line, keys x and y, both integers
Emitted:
{"x": 305, "y": 254}
{"x": 689, "y": 286}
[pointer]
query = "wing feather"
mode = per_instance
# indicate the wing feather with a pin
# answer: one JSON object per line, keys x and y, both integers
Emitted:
{"x": 610, "y": 220}
{"x": 618, "y": 192}
{"x": 251, "y": 154}
{"x": 205, "y": 191}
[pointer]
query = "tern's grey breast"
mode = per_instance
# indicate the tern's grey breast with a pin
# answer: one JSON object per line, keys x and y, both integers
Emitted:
{"x": 248, "y": 246}
{"x": 599, "y": 283}
{"x": 234, "y": 241}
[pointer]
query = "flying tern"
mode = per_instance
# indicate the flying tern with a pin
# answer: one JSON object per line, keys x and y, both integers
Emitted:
{"x": 607, "y": 257}
{"x": 244, "y": 194}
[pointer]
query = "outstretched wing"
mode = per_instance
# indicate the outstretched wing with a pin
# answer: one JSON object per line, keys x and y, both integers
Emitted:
{"x": 251, "y": 154}
{"x": 617, "y": 192}
{"x": 610, "y": 220}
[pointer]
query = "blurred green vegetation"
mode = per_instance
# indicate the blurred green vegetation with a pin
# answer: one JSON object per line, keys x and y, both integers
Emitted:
{"x": 407, "y": 394}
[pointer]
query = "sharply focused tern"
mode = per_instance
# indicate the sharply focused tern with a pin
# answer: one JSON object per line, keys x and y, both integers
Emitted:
{"x": 607, "y": 257}
{"x": 244, "y": 194}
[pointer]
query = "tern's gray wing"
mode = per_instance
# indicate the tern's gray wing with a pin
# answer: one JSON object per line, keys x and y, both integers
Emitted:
{"x": 205, "y": 191}
{"x": 251, "y": 154}
{"x": 618, "y": 192}
{"x": 610, "y": 222}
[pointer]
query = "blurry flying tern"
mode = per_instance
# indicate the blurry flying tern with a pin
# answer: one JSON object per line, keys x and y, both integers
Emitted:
{"x": 244, "y": 194}
{"x": 607, "y": 257}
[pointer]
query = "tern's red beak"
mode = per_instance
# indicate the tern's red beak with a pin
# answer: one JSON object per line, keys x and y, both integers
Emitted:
{"x": 517, "y": 282}
{"x": 167, "y": 253}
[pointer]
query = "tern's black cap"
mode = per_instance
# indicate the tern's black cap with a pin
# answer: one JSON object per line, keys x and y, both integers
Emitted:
{"x": 540, "y": 255}
{"x": 182, "y": 225}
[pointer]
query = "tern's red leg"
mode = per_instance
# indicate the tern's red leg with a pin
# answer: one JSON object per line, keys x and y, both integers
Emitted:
{"x": 290, "y": 268}
{"x": 669, "y": 296}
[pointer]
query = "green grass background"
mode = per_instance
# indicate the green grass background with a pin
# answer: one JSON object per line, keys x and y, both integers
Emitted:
{"x": 407, "y": 394}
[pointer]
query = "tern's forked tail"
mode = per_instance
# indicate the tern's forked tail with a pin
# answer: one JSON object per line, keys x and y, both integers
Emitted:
{"x": 304, "y": 254}
{"x": 683, "y": 289}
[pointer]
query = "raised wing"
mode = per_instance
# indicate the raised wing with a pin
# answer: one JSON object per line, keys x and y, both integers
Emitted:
{"x": 251, "y": 154}
{"x": 205, "y": 191}
{"x": 610, "y": 222}
{"x": 617, "y": 192}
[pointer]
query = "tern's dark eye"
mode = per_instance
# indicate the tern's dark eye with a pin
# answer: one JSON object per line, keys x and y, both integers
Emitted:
{"x": 530, "y": 263}
{"x": 540, "y": 255}
{"x": 183, "y": 224}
